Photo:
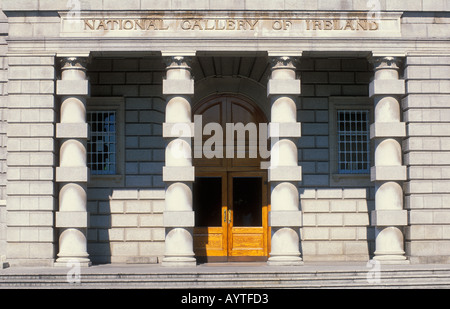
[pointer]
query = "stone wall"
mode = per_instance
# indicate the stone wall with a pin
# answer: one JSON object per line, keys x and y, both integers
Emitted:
{"x": 126, "y": 220}
{"x": 3, "y": 103}
{"x": 136, "y": 234}
{"x": 336, "y": 225}
{"x": 426, "y": 111}
{"x": 3, "y": 128}
{"x": 2, "y": 234}
{"x": 357, "y": 5}
{"x": 321, "y": 79}
{"x": 335, "y": 208}
{"x": 31, "y": 160}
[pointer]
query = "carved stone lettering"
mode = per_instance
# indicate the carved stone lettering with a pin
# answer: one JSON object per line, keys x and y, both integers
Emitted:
{"x": 226, "y": 24}
{"x": 233, "y": 26}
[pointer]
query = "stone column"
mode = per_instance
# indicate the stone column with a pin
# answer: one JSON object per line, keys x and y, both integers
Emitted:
{"x": 285, "y": 217}
{"x": 178, "y": 172}
{"x": 388, "y": 173}
{"x": 72, "y": 173}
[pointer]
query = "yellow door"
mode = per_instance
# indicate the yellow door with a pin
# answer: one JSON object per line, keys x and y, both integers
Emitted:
{"x": 231, "y": 216}
{"x": 247, "y": 216}
{"x": 211, "y": 213}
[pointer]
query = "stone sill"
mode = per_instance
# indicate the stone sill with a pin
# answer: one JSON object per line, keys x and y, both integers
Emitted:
{"x": 339, "y": 177}
{"x": 106, "y": 181}
{"x": 360, "y": 180}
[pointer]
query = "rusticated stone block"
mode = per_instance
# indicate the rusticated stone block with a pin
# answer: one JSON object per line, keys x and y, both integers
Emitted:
{"x": 284, "y": 87}
{"x": 387, "y": 87}
{"x": 72, "y": 219}
{"x": 285, "y": 218}
{"x": 389, "y": 218}
{"x": 179, "y": 219}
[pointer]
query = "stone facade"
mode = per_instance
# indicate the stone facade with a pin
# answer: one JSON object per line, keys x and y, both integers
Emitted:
{"x": 426, "y": 155}
{"x": 31, "y": 189}
{"x": 52, "y": 208}
{"x": 126, "y": 213}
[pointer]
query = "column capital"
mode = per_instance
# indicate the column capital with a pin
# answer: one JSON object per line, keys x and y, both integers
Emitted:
{"x": 177, "y": 62}
{"x": 179, "y": 79}
{"x": 284, "y": 62}
{"x": 385, "y": 62}
{"x": 283, "y": 79}
{"x": 74, "y": 63}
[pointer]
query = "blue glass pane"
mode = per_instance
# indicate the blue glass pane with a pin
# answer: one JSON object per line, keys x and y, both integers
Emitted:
{"x": 101, "y": 147}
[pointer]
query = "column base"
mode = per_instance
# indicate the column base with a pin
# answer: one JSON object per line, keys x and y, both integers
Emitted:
{"x": 72, "y": 261}
{"x": 3, "y": 263}
{"x": 179, "y": 261}
{"x": 285, "y": 261}
{"x": 391, "y": 259}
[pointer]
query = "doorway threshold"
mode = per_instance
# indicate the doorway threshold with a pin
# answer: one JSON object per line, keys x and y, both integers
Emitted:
{"x": 231, "y": 259}
{"x": 233, "y": 264}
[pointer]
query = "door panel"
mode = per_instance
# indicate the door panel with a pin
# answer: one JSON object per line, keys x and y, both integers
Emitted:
{"x": 247, "y": 242}
{"x": 210, "y": 241}
{"x": 213, "y": 111}
{"x": 208, "y": 201}
{"x": 223, "y": 110}
{"x": 248, "y": 228}
{"x": 209, "y": 197}
{"x": 247, "y": 201}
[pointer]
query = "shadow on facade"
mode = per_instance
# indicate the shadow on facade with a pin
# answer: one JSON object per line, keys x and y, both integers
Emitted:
{"x": 100, "y": 230}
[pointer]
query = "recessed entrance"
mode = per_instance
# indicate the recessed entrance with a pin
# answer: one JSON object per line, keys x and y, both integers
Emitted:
{"x": 230, "y": 194}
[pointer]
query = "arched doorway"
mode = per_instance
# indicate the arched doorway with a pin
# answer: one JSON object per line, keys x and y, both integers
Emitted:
{"x": 230, "y": 189}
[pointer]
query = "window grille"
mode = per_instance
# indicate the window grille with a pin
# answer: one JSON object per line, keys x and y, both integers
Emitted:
{"x": 353, "y": 141}
{"x": 101, "y": 148}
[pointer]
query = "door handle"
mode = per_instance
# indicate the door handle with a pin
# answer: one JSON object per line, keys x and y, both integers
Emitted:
{"x": 225, "y": 216}
{"x": 229, "y": 216}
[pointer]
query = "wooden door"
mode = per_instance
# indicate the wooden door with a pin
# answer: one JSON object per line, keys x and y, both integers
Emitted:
{"x": 247, "y": 216}
{"x": 211, "y": 213}
{"x": 225, "y": 110}
{"x": 231, "y": 216}
{"x": 223, "y": 186}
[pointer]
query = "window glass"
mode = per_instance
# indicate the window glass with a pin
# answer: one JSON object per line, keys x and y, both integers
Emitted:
{"x": 353, "y": 141}
{"x": 207, "y": 200}
{"x": 101, "y": 147}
